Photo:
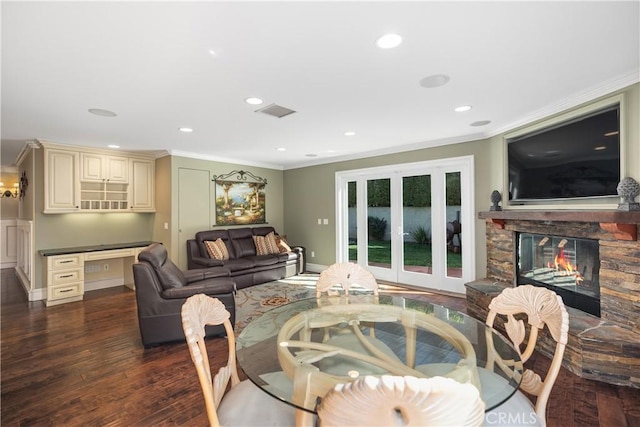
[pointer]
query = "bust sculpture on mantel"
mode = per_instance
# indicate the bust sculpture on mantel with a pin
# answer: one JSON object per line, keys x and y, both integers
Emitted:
{"x": 628, "y": 189}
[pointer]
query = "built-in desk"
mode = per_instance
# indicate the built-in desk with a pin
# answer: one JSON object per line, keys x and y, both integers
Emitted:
{"x": 65, "y": 268}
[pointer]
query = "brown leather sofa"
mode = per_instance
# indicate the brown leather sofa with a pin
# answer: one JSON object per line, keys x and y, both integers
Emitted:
{"x": 246, "y": 268}
{"x": 162, "y": 288}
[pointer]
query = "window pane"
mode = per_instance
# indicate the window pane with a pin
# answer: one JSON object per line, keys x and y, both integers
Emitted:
{"x": 454, "y": 229}
{"x": 416, "y": 217}
{"x": 378, "y": 214}
{"x": 352, "y": 204}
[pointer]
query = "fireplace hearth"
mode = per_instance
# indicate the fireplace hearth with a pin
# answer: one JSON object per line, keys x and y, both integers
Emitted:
{"x": 568, "y": 266}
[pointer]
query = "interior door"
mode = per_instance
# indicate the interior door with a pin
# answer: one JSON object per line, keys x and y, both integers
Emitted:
{"x": 194, "y": 192}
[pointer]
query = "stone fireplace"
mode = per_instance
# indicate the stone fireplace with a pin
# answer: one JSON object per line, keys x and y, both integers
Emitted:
{"x": 592, "y": 260}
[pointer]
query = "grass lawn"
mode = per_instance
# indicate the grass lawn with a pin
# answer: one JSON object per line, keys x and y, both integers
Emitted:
{"x": 414, "y": 254}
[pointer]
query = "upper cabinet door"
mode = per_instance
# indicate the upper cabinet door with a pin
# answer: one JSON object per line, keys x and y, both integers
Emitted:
{"x": 91, "y": 167}
{"x": 142, "y": 192}
{"x": 98, "y": 168}
{"x": 117, "y": 169}
{"x": 62, "y": 191}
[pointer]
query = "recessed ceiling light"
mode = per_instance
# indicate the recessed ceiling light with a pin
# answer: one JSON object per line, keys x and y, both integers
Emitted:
{"x": 186, "y": 130}
{"x": 350, "y": 133}
{"x": 389, "y": 41}
{"x": 213, "y": 52}
{"x": 480, "y": 123}
{"x": 254, "y": 101}
{"x": 281, "y": 149}
{"x": 614, "y": 133}
{"x": 101, "y": 112}
{"x": 434, "y": 81}
{"x": 113, "y": 146}
{"x": 462, "y": 108}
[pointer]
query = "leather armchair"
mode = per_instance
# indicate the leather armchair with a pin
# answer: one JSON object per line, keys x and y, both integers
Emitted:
{"x": 161, "y": 289}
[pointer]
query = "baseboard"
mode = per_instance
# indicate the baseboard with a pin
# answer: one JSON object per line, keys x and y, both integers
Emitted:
{"x": 32, "y": 294}
{"x": 37, "y": 294}
{"x": 316, "y": 268}
{"x": 103, "y": 284}
{"x": 8, "y": 264}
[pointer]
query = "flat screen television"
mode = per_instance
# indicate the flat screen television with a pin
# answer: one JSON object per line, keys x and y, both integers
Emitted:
{"x": 573, "y": 159}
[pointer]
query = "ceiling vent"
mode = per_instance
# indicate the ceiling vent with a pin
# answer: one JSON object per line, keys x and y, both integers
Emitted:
{"x": 275, "y": 110}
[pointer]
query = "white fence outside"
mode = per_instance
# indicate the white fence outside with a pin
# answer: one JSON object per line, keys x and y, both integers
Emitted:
{"x": 413, "y": 218}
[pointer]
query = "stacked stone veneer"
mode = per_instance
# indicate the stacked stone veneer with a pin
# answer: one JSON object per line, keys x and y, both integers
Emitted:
{"x": 605, "y": 349}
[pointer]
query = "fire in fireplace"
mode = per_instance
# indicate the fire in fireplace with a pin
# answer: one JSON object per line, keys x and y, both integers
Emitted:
{"x": 568, "y": 266}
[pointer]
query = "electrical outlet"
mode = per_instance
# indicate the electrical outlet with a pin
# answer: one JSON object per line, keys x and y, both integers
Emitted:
{"x": 313, "y": 254}
{"x": 166, "y": 225}
{"x": 325, "y": 221}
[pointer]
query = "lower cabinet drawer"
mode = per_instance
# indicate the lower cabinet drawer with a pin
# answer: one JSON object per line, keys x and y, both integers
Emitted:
{"x": 65, "y": 276}
{"x": 65, "y": 261}
{"x": 65, "y": 291}
{"x": 114, "y": 253}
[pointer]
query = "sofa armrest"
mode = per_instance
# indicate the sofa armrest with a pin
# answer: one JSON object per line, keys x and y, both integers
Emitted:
{"x": 205, "y": 273}
{"x": 213, "y": 272}
{"x": 207, "y": 287}
{"x": 194, "y": 275}
{"x": 302, "y": 258}
{"x": 202, "y": 262}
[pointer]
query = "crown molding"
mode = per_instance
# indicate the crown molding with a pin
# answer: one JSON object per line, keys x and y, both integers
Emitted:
{"x": 240, "y": 162}
{"x": 589, "y": 95}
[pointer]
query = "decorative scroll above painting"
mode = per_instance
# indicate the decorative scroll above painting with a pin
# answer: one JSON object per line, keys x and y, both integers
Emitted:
{"x": 240, "y": 198}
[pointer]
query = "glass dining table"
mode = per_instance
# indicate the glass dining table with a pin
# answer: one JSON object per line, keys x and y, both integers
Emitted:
{"x": 298, "y": 351}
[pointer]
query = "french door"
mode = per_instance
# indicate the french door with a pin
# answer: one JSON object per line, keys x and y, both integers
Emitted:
{"x": 404, "y": 222}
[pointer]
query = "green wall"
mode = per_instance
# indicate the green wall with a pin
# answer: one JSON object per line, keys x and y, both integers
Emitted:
{"x": 273, "y": 190}
{"x": 309, "y": 194}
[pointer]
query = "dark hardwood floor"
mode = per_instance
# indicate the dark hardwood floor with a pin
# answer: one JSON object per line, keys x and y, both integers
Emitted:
{"x": 82, "y": 364}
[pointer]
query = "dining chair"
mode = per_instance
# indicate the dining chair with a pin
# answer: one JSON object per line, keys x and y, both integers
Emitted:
{"x": 244, "y": 404}
{"x": 402, "y": 401}
{"x": 542, "y": 307}
{"x": 348, "y": 275}
{"x": 345, "y": 274}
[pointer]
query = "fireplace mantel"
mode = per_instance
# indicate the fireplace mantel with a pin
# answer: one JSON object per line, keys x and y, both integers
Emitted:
{"x": 622, "y": 224}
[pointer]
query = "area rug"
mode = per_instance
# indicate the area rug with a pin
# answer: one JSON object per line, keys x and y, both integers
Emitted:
{"x": 253, "y": 301}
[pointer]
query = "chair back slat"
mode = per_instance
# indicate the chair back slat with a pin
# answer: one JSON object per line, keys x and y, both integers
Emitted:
{"x": 197, "y": 312}
{"x": 542, "y": 307}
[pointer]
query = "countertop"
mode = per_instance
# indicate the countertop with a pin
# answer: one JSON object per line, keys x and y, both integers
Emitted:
{"x": 92, "y": 248}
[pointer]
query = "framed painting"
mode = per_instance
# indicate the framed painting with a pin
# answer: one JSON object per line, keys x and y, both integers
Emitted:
{"x": 240, "y": 198}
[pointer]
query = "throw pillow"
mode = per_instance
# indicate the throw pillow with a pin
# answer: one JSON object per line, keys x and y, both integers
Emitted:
{"x": 283, "y": 246}
{"x": 272, "y": 245}
{"x": 217, "y": 249}
{"x": 261, "y": 245}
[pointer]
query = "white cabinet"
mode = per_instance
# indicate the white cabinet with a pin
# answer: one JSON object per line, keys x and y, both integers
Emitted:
{"x": 103, "y": 196}
{"x": 142, "y": 188}
{"x": 98, "y": 168}
{"x": 96, "y": 181}
{"x": 65, "y": 278}
{"x": 62, "y": 187}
